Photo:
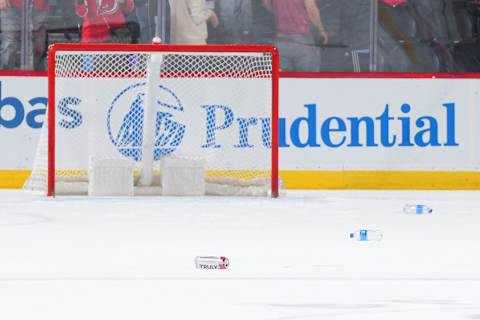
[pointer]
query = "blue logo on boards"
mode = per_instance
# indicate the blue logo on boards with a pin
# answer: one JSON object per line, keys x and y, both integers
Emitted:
{"x": 14, "y": 111}
{"x": 125, "y": 122}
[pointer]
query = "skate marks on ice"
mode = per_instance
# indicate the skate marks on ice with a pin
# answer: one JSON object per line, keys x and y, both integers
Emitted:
{"x": 15, "y": 218}
{"x": 381, "y": 309}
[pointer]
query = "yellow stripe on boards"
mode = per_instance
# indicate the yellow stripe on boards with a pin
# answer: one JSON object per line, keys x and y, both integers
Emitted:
{"x": 381, "y": 180}
{"x": 386, "y": 180}
{"x": 13, "y": 179}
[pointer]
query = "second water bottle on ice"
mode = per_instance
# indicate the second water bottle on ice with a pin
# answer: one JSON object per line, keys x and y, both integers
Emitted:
{"x": 367, "y": 235}
{"x": 416, "y": 209}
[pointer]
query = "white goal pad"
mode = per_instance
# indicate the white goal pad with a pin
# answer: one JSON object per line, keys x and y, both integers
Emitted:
{"x": 182, "y": 176}
{"x": 110, "y": 177}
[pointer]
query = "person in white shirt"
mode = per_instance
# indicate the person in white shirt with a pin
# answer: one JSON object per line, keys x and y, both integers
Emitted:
{"x": 188, "y": 22}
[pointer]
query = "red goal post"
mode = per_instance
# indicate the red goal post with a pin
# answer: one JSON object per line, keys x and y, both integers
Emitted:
{"x": 187, "y": 62}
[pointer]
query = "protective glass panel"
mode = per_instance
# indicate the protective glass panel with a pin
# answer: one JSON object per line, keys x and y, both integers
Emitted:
{"x": 312, "y": 35}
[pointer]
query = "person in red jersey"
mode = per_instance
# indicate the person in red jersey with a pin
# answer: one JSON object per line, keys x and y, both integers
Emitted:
{"x": 11, "y": 26}
{"x": 394, "y": 3}
{"x": 100, "y": 17}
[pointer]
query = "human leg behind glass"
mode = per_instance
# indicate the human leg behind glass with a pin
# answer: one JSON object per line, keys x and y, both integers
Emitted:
{"x": 11, "y": 18}
{"x": 298, "y": 53}
{"x": 38, "y": 38}
{"x": 142, "y": 13}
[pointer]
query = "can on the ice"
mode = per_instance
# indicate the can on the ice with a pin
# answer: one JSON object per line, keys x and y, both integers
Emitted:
{"x": 211, "y": 263}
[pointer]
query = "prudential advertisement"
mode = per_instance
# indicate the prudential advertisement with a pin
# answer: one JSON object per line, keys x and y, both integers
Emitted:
{"x": 328, "y": 128}
{"x": 380, "y": 124}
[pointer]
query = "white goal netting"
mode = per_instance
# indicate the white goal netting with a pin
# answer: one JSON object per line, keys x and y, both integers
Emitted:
{"x": 212, "y": 108}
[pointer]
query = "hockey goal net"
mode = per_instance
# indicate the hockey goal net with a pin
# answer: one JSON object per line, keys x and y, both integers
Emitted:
{"x": 212, "y": 108}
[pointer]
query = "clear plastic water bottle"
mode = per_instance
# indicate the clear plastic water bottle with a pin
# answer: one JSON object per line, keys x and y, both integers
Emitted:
{"x": 367, "y": 235}
{"x": 416, "y": 209}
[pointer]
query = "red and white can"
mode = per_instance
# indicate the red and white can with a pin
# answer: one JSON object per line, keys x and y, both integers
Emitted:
{"x": 212, "y": 263}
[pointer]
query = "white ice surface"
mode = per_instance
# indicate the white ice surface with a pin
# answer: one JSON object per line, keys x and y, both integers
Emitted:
{"x": 291, "y": 258}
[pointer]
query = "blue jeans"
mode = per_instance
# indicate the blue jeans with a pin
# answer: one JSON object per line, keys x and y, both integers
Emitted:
{"x": 235, "y": 17}
{"x": 142, "y": 13}
{"x": 298, "y": 53}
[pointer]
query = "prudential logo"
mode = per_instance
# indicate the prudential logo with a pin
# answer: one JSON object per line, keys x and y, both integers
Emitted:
{"x": 125, "y": 121}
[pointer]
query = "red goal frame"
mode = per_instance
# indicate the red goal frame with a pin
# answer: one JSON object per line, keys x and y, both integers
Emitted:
{"x": 162, "y": 48}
